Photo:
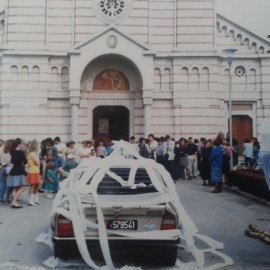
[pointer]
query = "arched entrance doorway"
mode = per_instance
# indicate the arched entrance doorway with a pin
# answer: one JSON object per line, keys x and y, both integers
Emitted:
{"x": 111, "y": 89}
{"x": 242, "y": 129}
{"x": 111, "y": 123}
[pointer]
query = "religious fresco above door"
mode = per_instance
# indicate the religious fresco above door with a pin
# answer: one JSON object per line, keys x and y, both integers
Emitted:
{"x": 111, "y": 79}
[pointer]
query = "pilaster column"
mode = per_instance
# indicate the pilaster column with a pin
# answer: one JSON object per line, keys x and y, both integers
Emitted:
{"x": 74, "y": 121}
{"x": 147, "y": 105}
{"x": 147, "y": 119}
{"x": 4, "y": 114}
{"x": 6, "y": 20}
{"x": 177, "y": 119}
{"x": 175, "y": 26}
{"x": 74, "y": 102}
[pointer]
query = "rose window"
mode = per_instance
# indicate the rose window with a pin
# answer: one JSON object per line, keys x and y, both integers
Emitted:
{"x": 112, "y": 11}
{"x": 239, "y": 71}
{"x": 112, "y": 8}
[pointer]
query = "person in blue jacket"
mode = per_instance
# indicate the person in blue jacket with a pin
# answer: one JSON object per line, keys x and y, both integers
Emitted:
{"x": 216, "y": 160}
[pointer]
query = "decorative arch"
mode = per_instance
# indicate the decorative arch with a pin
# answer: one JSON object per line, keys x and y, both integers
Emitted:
{"x": 54, "y": 78}
{"x": 14, "y": 76}
{"x": 246, "y": 41}
{"x": 195, "y": 79}
{"x": 35, "y": 77}
{"x": 205, "y": 79}
{"x": 111, "y": 62}
{"x": 252, "y": 79}
{"x": 64, "y": 78}
{"x": 2, "y": 31}
{"x": 254, "y": 47}
{"x": 25, "y": 76}
{"x": 157, "y": 79}
{"x": 184, "y": 78}
{"x": 224, "y": 30}
{"x": 239, "y": 39}
{"x": 226, "y": 78}
{"x": 261, "y": 49}
{"x": 111, "y": 79}
{"x": 167, "y": 81}
{"x": 231, "y": 33}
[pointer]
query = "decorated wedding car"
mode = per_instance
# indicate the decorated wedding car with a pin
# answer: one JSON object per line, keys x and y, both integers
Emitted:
{"x": 124, "y": 205}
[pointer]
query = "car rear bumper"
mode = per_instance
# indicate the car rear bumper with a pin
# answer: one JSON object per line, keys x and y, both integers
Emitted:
{"x": 119, "y": 242}
{"x": 63, "y": 246}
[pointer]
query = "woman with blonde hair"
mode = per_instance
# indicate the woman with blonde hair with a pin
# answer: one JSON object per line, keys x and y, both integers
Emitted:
{"x": 33, "y": 172}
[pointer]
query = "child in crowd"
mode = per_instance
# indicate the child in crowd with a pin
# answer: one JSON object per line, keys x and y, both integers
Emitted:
{"x": 69, "y": 165}
{"x": 101, "y": 150}
{"x": 50, "y": 179}
{"x": 93, "y": 154}
{"x": 33, "y": 173}
{"x": 109, "y": 148}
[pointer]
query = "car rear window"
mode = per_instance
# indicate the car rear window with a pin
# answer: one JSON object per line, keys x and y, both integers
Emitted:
{"x": 143, "y": 183}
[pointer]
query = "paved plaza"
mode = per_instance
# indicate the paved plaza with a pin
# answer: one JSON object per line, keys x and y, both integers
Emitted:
{"x": 223, "y": 216}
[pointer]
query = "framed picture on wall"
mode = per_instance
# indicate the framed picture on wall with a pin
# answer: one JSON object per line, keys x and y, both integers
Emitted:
{"x": 103, "y": 125}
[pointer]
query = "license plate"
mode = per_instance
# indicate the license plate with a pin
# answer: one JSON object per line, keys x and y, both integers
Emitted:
{"x": 122, "y": 224}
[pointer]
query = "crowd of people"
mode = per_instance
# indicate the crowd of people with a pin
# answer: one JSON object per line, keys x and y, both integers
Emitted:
{"x": 43, "y": 165}
{"x": 208, "y": 158}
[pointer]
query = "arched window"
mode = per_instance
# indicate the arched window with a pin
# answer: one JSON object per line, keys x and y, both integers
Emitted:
{"x": 195, "y": 79}
{"x": 167, "y": 81}
{"x": 14, "y": 77}
{"x": 157, "y": 79}
{"x": 239, "y": 39}
{"x": 254, "y": 47}
{"x": 111, "y": 79}
{"x": 205, "y": 79}
{"x": 261, "y": 49}
{"x": 35, "y": 77}
{"x": 246, "y": 42}
{"x": 184, "y": 79}
{"x": 231, "y": 33}
{"x": 64, "y": 78}
{"x": 2, "y": 31}
{"x": 226, "y": 79}
{"x": 224, "y": 30}
{"x": 25, "y": 77}
{"x": 252, "y": 78}
{"x": 54, "y": 78}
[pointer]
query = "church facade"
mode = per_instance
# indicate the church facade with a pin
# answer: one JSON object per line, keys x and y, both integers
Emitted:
{"x": 82, "y": 69}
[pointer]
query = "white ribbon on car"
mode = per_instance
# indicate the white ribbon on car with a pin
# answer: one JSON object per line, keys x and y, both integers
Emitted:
{"x": 78, "y": 189}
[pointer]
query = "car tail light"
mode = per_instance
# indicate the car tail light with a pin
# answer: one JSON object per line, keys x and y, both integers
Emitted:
{"x": 168, "y": 222}
{"x": 65, "y": 228}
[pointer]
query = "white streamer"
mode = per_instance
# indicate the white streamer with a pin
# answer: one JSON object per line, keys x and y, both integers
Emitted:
{"x": 77, "y": 190}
